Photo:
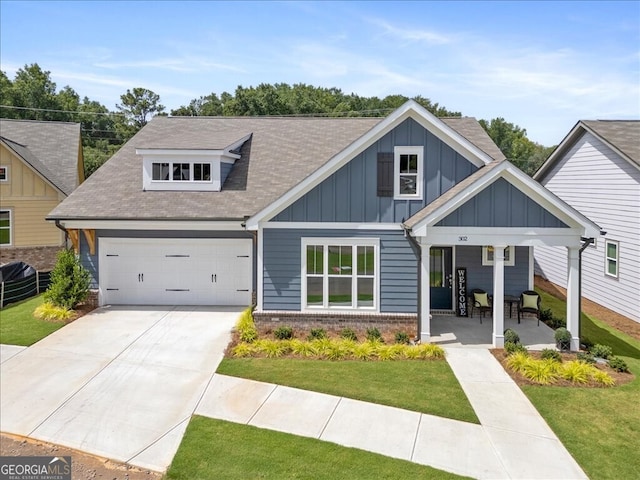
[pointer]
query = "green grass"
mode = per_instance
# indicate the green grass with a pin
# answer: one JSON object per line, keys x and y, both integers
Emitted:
{"x": 214, "y": 449}
{"x": 421, "y": 386}
{"x": 599, "y": 426}
{"x": 18, "y": 326}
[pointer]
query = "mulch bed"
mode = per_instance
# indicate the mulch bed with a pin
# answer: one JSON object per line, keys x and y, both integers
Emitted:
{"x": 619, "y": 377}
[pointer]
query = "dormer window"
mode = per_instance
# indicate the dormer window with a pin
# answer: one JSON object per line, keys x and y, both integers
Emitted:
{"x": 181, "y": 172}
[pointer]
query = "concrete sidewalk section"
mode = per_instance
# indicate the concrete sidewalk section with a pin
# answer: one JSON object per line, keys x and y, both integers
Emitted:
{"x": 513, "y": 441}
{"x": 121, "y": 383}
{"x": 8, "y": 351}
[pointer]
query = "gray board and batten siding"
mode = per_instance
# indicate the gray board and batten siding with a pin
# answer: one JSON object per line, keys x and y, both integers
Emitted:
{"x": 351, "y": 193}
{"x": 501, "y": 205}
{"x": 282, "y": 257}
{"x": 516, "y": 277}
{"x": 91, "y": 262}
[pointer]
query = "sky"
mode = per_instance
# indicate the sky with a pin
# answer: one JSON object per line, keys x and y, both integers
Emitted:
{"x": 540, "y": 65}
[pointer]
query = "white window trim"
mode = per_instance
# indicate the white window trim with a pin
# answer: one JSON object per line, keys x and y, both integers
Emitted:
{"x": 339, "y": 241}
{"x": 191, "y": 164}
{"x": 6, "y": 173}
{"x": 616, "y": 259}
{"x": 10, "y": 227}
{"x": 486, "y": 261}
{"x": 408, "y": 150}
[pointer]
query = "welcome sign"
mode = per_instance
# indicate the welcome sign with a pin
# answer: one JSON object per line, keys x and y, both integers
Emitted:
{"x": 461, "y": 292}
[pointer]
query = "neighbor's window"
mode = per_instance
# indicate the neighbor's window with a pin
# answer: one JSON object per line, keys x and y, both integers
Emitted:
{"x": 339, "y": 273}
{"x": 5, "y": 227}
{"x": 181, "y": 172}
{"x": 4, "y": 174}
{"x": 509, "y": 256}
{"x": 407, "y": 164}
{"x": 611, "y": 255}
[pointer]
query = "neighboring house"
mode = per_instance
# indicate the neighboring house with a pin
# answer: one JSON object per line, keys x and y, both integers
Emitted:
{"x": 326, "y": 220}
{"x": 40, "y": 165}
{"x": 596, "y": 169}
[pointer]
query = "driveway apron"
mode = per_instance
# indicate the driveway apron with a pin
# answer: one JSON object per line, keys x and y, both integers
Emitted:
{"x": 121, "y": 382}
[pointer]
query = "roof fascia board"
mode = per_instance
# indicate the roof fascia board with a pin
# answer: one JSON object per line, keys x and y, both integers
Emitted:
{"x": 35, "y": 169}
{"x": 520, "y": 180}
{"x": 186, "y": 225}
{"x": 410, "y": 109}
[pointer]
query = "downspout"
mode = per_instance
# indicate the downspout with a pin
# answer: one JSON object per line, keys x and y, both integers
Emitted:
{"x": 254, "y": 266}
{"x": 418, "y": 249}
{"x": 66, "y": 234}
{"x": 585, "y": 243}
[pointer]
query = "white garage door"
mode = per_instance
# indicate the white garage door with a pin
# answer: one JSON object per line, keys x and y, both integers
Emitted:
{"x": 135, "y": 271}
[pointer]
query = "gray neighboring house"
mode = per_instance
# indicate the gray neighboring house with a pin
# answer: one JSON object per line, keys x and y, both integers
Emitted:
{"x": 596, "y": 169}
{"x": 329, "y": 221}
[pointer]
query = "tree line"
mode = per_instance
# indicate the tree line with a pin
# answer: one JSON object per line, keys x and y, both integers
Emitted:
{"x": 33, "y": 95}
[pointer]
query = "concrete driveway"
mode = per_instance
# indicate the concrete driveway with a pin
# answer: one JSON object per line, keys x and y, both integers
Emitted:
{"x": 121, "y": 382}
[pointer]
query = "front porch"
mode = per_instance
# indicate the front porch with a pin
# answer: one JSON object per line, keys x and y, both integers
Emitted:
{"x": 452, "y": 331}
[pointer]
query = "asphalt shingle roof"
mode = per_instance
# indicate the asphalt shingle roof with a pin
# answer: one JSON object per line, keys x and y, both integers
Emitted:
{"x": 622, "y": 134}
{"x": 280, "y": 153}
{"x": 50, "y": 147}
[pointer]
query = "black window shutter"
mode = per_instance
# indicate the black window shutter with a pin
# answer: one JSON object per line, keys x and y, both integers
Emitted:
{"x": 385, "y": 174}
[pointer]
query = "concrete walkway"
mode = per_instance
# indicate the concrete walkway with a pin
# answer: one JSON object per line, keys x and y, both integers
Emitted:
{"x": 121, "y": 383}
{"x": 512, "y": 442}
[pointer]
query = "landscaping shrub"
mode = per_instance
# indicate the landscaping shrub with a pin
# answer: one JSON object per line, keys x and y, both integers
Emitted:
{"x": 546, "y": 315}
{"x": 511, "y": 336}
{"x": 69, "y": 281}
{"x": 243, "y": 350}
{"x": 373, "y": 335}
{"x": 512, "y": 348}
{"x": 576, "y": 371}
{"x": 304, "y": 349}
{"x": 563, "y": 338}
{"x": 52, "y": 313}
{"x": 246, "y": 327}
{"x": 283, "y": 333}
{"x": 601, "y": 351}
{"x": 556, "y": 322}
{"x": 272, "y": 348}
{"x": 317, "y": 333}
{"x": 518, "y": 360}
{"x": 428, "y": 350}
{"x": 402, "y": 338}
{"x": 585, "y": 357}
{"x": 364, "y": 350}
{"x": 586, "y": 343}
{"x": 348, "y": 334}
{"x": 543, "y": 372}
{"x": 618, "y": 364}
{"x": 550, "y": 354}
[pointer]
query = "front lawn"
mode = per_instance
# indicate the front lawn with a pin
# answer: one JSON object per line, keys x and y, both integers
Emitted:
{"x": 218, "y": 449}
{"x": 418, "y": 385}
{"x": 599, "y": 426}
{"x": 18, "y": 326}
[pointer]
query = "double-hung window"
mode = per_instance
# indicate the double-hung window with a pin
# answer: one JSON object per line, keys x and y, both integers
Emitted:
{"x": 612, "y": 255}
{"x": 407, "y": 167}
{"x": 5, "y": 227}
{"x": 509, "y": 256}
{"x": 339, "y": 273}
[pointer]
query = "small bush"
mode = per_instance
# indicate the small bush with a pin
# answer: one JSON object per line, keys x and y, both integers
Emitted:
{"x": 52, "y": 313}
{"x": 246, "y": 327}
{"x": 603, "y": 378}
{"x": 550, "y": 354}
{"x": 388, "y": 352}
{"x": 518, "y": 360}
{"x": 402, "y": 338}
{"x": 304, "y": 349}
{"x": 69, "y": 281}
{"x": 556, "y": 322}
{"x": 511, "y": 336}
{"x": 348, "y": 334}
{"x": 512, "y": 348}
{"x": 364, "y": 350}
{"x": 618, "y": 364}
{"x": 543, "y": 372}
{"x": 373, "y": 334}
{"x": 546, "y": 315}
{"x": 243, "y": 350}
{"x": 585, "y": 357}
{"x": 272, "y": 348}
{"x": 576, "y": 371}
{"x": 428, "y": 350}
{"x": 283, "y": 333}
{"x": 586, "y": 343}
{"x": 563, "y": 338}
{"x": 338, "y": 349}
{"x": 317, "y": 333}
{"x": 601, "y": 351}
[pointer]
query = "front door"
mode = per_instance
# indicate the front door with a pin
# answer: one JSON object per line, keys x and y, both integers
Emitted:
{"x": 441, "y": 281}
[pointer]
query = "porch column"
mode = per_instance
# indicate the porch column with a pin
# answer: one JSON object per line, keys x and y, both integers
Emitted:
{"x": 498, "y": 296}
{"x": 573, "y": 299}
{"x": 425, "y": 294}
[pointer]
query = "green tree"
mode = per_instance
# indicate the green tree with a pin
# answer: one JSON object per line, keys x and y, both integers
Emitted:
{"x": 69, "y": 281}
{"x": 138, "y": 107}
{"x": 511, "y": 140}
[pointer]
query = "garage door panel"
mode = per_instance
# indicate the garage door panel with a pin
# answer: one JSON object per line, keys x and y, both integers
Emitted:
{"x": 175, "y": 271}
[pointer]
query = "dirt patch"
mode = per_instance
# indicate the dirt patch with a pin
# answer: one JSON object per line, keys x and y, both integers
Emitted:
{"x": 619, "y": 377}
{"x": 611, "y": 318}
{"x": 83, "y": 465}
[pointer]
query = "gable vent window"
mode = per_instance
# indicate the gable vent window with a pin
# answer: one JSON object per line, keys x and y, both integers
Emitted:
{"x": 408, "y": 178}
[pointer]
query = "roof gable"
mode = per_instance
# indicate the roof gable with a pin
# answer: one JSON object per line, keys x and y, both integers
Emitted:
{"x": 622, "y": 136}
{"x": 50, "y": 148}
{"x": 457, "y": 201}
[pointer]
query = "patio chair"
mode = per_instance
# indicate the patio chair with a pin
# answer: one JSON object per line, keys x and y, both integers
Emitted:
{"x": 529, "y": 303}
{"x": 481, "y": 301}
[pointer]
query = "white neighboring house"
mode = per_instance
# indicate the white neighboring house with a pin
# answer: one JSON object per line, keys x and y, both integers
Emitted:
{"x": 596, "y": 170}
